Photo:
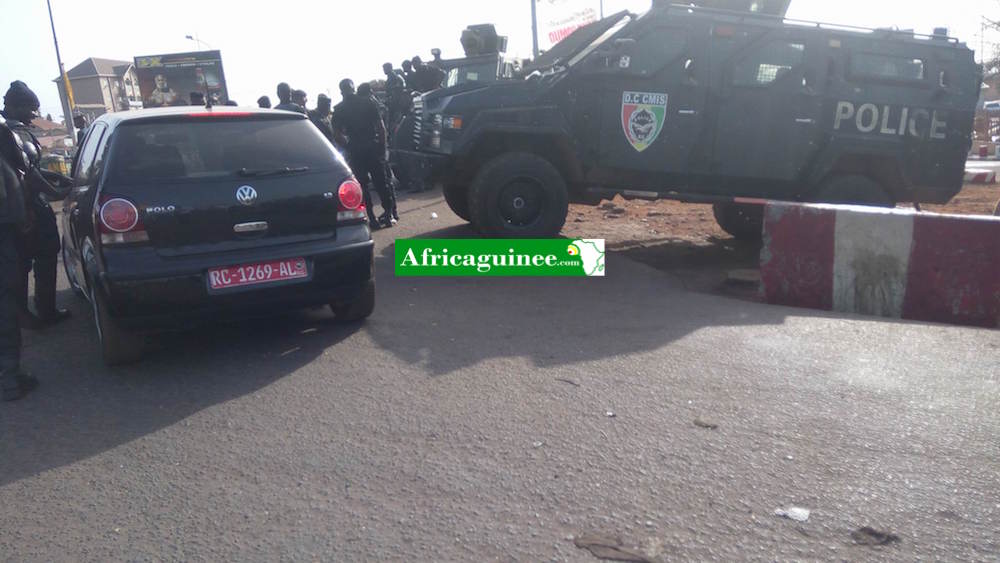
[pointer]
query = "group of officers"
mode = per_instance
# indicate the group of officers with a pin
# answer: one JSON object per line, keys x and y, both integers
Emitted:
{"x": 29, "y": 237}
{"x": 361, "y": 126}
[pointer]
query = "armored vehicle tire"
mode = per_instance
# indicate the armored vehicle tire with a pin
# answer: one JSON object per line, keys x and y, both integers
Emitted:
{"x": 519, "y": 195}
{"x": 854, "y": 189}
{"x": 742, "y": 220}
{"x": 457, "y": 198}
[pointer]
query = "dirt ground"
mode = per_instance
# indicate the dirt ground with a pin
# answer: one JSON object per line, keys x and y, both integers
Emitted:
{"x": 685, "y": 240}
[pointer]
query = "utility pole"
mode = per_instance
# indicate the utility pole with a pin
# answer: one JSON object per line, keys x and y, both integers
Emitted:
{"x": 534, "y": 28}
{"x": 602, "y": 9}
{"x": 70, "y": 105}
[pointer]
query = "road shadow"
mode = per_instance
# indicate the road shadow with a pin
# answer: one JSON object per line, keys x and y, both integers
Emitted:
{"x": 446, "y": 325}
{"x": 717, "y": 265}
{"x": 84, "y": 408}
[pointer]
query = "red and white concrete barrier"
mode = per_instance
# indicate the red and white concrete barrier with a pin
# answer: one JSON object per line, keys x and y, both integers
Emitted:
{"x": 885, "y": 262}
{"x": 980, "y": 176}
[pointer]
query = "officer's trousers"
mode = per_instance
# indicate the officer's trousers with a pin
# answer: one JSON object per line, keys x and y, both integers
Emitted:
{"x": 40, "y": 253}
{"x": 10, "y": 332}
{"x": 369, "y": 168}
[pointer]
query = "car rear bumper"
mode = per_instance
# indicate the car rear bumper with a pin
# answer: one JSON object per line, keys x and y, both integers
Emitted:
{"x": 337, "y": 274}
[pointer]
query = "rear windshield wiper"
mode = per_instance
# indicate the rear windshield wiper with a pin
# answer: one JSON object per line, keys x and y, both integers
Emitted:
{"x": 248, "y": 173}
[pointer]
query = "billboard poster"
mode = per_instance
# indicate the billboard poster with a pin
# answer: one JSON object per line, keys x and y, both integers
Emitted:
{"x": 169, "y": 80}
{"x": 557, "y": 19}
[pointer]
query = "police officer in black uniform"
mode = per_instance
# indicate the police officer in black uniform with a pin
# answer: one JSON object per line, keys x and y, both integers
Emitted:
{"x": 425, "y": 77}
{"x": 15, "y": 166}
{"x": 357, "y": 121}
{"x": 39, "y": 243}
{"x": 397, "y": 98}
{"x": 407, "y": 67}
{"x": 322, "y": 118}
{"x": 285, "y": 103}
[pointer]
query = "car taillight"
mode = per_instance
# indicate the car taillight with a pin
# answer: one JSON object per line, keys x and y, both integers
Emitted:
{"x": 120, "y": 222}
{"x": 350, "y": 201}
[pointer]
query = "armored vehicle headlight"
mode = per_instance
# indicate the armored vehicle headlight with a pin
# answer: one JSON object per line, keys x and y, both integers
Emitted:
{"x": 453, "y": 122}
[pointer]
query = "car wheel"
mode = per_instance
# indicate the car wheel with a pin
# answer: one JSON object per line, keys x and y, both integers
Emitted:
{"x": 71, "y": 276}
{"x": 519, "y": 195}
{"x": 745, "y": 221}
{"x": 457, "y": 198}
{"x": 118, "y": 346}
{"x": 359, "y": 309}
{"x": 854, "y": 189}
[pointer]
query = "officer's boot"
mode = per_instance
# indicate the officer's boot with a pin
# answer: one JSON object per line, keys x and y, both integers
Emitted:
{"x": 45, "y": 292}
{"x": 14, "y": 385}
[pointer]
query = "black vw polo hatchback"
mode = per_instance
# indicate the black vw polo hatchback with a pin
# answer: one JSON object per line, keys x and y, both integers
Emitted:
{"x": 185, "y": 214}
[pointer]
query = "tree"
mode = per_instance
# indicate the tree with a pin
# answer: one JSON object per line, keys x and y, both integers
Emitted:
{"x": 991, "y": 65}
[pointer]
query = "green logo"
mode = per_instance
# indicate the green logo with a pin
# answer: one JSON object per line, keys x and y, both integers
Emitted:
{"x": 500, "y": 258}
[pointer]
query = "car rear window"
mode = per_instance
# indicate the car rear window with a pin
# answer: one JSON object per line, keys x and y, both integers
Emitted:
{"x": 189, "y": 150}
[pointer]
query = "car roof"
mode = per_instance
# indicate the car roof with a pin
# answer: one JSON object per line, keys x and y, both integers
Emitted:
{"x": 172, "y": 113}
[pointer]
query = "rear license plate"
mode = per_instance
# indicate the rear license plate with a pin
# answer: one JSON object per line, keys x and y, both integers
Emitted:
{"x": 256, "y": 274}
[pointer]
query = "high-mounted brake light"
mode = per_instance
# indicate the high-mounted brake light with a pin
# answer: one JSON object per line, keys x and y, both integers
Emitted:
{"x": 120, "y": 222}
{"x": 221, "y": 114}
{"x": 350, "y": 201}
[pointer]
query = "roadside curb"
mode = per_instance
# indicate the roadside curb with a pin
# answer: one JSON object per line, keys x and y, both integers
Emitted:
{"x": 980, "y": 176}
{"x": 894, "y": 263}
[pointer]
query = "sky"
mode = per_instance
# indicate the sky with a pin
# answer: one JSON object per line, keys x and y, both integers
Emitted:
{"x": 313, "y": 44}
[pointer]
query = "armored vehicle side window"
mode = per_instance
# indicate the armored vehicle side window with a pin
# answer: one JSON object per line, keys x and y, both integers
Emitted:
{"x": 658, "y": 48}
{"x": 769, "y": 63}
{"x": 886, "y": 67}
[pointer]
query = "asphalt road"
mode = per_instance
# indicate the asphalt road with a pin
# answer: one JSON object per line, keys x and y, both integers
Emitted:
{"x": 469, "y": 420}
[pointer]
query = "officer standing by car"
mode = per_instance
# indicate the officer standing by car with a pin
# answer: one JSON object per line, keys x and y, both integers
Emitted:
{"x": 14, "y": 165}
{"x": 285, "y": 103}
{"x": 357, "y": 119}
{"x": 300, "y": 98}
{"x": 322, "y": 118}
{"x": 39, "y": 243}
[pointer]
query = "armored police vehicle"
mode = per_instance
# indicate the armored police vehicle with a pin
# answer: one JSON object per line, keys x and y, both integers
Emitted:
{"x": 709, "y": 105}
{"x": 484, "y": 59}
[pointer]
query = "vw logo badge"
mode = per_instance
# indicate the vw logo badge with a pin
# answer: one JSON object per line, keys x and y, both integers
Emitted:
{"x": 246, "y": 195}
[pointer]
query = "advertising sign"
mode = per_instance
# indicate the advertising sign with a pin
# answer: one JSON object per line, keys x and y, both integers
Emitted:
{"x": 169, "y": 80}
{"x": 557, "y": 19}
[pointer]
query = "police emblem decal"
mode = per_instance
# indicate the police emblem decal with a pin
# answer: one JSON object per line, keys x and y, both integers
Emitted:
{"x": 643, "y": 117}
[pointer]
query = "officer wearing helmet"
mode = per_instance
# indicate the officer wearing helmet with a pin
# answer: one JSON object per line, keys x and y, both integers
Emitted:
{"x": 38, "y": 243}
{"x": 19, "y": 177}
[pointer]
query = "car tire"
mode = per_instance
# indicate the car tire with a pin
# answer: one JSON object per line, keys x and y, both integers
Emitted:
{"x": 359, "y": 309}
{"x": 854, "y": 189}
{"x": 745, "y": 221}
{"x": 457, "y": 198}
{"x": 70, "y": 277}
{"x": 118, "y": 346}
{"x": 519, "y": 195}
